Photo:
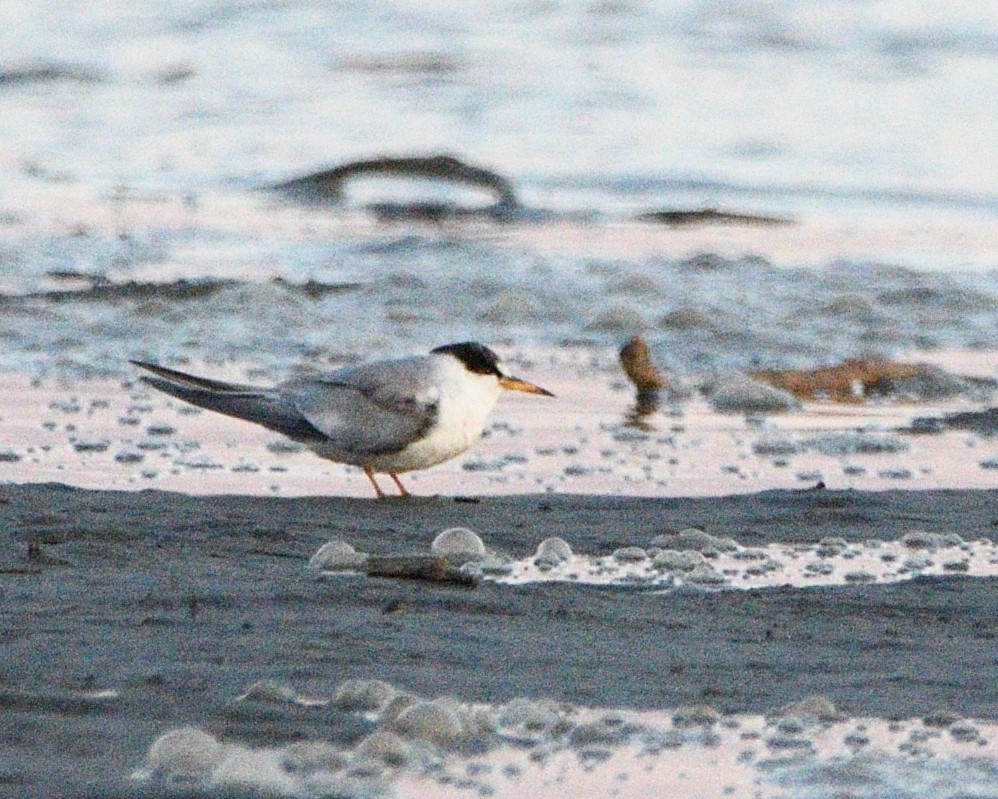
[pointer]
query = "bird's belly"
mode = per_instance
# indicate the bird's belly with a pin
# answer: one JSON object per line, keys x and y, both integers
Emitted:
{"x": 440, "y": 445}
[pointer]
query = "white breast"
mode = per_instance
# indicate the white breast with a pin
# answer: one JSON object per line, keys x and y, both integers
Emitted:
{"x": 465, "y": 402}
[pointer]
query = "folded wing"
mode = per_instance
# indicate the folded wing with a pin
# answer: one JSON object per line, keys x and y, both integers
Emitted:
{"x": 372, "y": 409}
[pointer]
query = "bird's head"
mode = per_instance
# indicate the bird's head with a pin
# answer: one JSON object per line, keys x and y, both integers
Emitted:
{"x": 480, "y": 360}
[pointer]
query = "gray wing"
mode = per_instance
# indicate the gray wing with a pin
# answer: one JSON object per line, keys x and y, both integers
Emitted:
{"x": 262, "y": 406}
{"x": 372, "y": 409}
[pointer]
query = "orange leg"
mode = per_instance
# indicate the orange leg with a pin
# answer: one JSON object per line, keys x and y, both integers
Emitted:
{"x": 398, "y": 482}
{"x": 370, "y": 476}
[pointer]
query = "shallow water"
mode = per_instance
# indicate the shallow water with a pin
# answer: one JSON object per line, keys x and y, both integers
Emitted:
{"x": 141, "y": 159}
{"x": 587, "y": 440}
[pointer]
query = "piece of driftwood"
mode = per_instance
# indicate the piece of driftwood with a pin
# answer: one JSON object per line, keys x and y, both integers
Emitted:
{"x": 329, "y": 184}
{"x": 851, "y": 381}
{"x": 433, "y": 568}
{"x": 711, "y": 216}
{"x": 636, "y": 360}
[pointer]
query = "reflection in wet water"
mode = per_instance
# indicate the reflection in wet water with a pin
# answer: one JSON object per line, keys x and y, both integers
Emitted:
{"x": 645, "y": 404}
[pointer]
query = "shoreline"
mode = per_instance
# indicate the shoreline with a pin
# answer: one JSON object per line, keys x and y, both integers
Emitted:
{"x": 179, "y": 603}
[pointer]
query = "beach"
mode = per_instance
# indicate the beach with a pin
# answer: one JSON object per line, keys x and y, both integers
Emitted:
{"x": 770, "y": 575}
{"x": 175, "y": 605}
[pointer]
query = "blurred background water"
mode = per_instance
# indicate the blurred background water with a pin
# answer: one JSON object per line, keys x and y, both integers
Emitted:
{"x": 135, "y": 138}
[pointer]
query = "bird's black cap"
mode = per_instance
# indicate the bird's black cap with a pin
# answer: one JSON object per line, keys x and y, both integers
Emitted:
{"x": 476, "y": 357}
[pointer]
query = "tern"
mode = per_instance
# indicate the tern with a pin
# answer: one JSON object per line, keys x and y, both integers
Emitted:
{"x": 390, "y": 416}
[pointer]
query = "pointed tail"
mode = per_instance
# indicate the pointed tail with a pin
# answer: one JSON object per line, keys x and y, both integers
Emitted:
{"x": 262, "y": 406}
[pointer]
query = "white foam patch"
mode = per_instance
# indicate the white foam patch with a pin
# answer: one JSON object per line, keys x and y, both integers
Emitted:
{"x": 542, "y": 748}
{"x": 832, "y": 562}
{"x": 695, "y": 560}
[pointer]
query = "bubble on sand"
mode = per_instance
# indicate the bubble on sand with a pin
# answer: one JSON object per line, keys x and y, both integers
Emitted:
{"x": 811, "y": 708}
{"x": 398, "y": 703}
{"x": 458, "y": 544}
{"x": 391, "y": 750}
{"x": 337, "y": 555}
{"x": 259, "y": 771}
{"x": 610, "y": 729}
{"x": 831, "y": 546}
{"x": 439, "y": 723}
{"x": 922, "y": 540}
{"x": 531, "y": 720}
{"x": 552, "y": 552}
{"x": 630, "y": 555}
{"x": 307, "y": 757}
{"x": 738, "y": 393}
{"x": 678, "y": 560}
{"x": 698, "y": 540}
{"x": 696, "y": 716}
{"x": 187, "y": 753}
{"x": 278, "y": 693}
{"x": 705, "y": 575}
{"x": 363, "y": 695}
{"x": 941, "y": 718}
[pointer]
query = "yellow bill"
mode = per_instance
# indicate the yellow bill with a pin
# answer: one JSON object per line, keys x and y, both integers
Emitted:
{"x": 515, "y": 384}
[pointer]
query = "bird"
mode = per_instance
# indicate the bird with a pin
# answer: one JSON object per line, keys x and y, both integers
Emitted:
{"x": 388, "y": 416}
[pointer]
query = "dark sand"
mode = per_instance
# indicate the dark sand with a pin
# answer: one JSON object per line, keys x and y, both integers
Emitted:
{"x": 180, "y": 603}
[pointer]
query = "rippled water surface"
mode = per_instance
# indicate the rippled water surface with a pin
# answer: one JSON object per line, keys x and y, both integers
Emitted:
{"x": 139, "y": 140}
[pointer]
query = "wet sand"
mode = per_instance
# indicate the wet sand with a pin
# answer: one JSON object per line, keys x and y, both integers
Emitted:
{"x": 178, "y": 603}
{"x": 107, "y": 434}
